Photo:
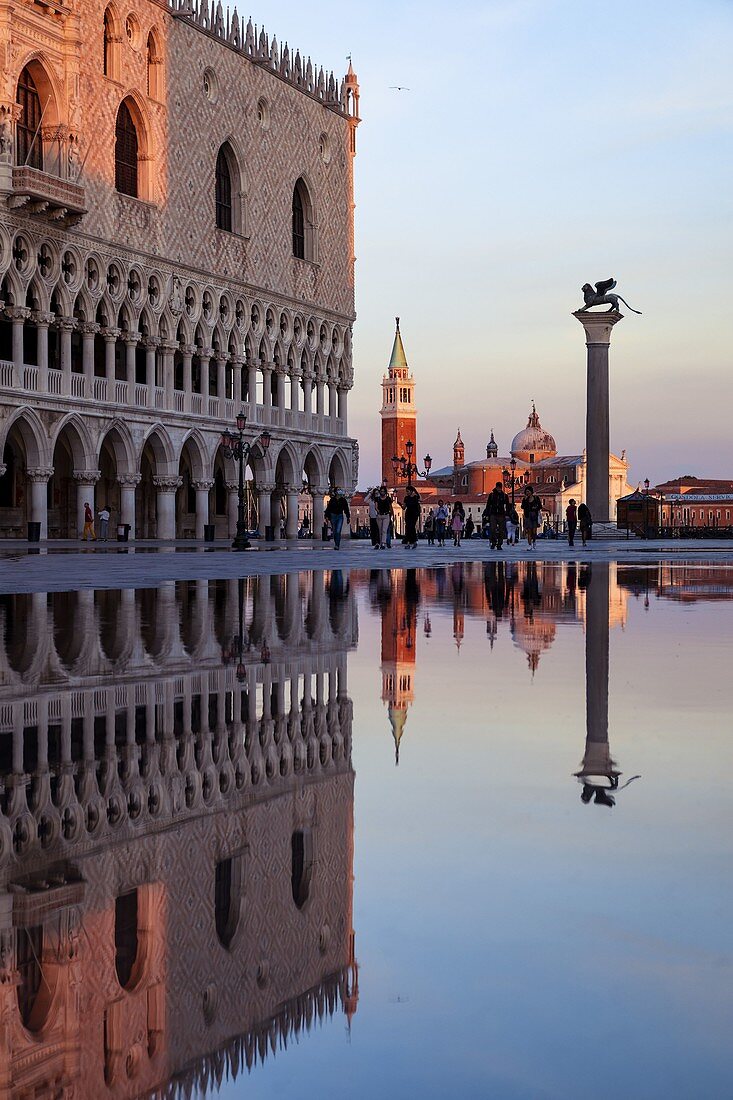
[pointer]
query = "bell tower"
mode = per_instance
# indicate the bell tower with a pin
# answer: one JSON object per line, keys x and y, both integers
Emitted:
{"x": 399, "y": 416}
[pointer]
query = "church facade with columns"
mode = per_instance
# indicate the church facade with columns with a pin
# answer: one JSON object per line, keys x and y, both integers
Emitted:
{"x": 176, "y": 244}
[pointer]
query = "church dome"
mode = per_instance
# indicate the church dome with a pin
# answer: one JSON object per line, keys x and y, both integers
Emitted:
{"x": 533, "y": 441}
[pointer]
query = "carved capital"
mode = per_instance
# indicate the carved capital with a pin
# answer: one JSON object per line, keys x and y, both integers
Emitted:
{"x": 131, "y": 338}
{"x": 110, "y": 334}
{"x": 265, "y": 486}
{"x": 232, "y": 486}
{"x": 152, "y": 342}
{"x": 19, "y": 313}
{"x": 203, "y": 483}
{"x": 189, "y": 349}
{"x": 167, "y": 484}
{"x": 39, "y": 473}
{"x": 127, "y": 480}
{"x": 87, "y": 477}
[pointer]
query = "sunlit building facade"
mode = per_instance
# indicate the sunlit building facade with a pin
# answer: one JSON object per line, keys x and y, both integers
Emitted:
{"x": 176, "y": 244}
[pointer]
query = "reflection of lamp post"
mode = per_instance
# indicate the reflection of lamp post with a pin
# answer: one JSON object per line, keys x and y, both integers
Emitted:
{"x": 405, "y": 467}
{"x": 237, "y": 449}
{"x": 237, "y": 646}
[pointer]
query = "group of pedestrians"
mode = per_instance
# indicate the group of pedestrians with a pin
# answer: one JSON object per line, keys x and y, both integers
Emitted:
{"x": 89, "y": 532}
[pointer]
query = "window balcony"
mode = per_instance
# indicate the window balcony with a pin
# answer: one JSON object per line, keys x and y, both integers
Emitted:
{"x": 45, "y": 196}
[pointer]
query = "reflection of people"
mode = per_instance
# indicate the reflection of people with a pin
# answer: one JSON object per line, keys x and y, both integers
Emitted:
{"x": 336, "y": 510}
{"x": 88, "y": 524}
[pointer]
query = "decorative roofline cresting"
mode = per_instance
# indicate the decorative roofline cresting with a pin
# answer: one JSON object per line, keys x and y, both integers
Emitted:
{"x": 260, "y": 49}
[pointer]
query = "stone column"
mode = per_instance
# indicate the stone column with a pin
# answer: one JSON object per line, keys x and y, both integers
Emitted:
{"x": 319, "y": 396}
{"x": 110, "y": 343}
{"x": 237, "y": 366}
{"x": 168, "y": 351}
{"x": 342, "y": 395}
{"x": 294, "y": 391}
{"x": 307, "y": 393}
{"x": 291, "y": 513}
{"x": 187, "y": 351}
{"x": 202, "y": 504}
{"x": 221, "y": 381}
{"x": 151, "y": 350}
{"x": 19, "y": 316}
{"x": 319, "y": 505}
{"x": 85, "y": 482}
{"x": 66, "y": 327}
{"x": 232, "y": 506}
{"x": 166, "y": 505}
{"x": 252, "y": 386}
{"x": 39, "y": 477}
{"x": 332, "y": 401}
{"x": 598, "y": 338}
{"x": 264, "y": 494}
{"x": 88, "y": 332}
{"x": 131, "y": 341}
{"x": 43, "y": 320}
{"x": 127, "y": 483}
{"x": 266, "y": 369}
{"x": 281, "y": 389}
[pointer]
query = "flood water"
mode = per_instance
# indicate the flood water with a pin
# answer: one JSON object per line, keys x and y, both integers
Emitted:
{"x": 462, "y": 832}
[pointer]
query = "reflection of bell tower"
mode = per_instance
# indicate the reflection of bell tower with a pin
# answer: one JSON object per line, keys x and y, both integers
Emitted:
{"x": 399, "y": 416}
{"x": 399, "y": 626}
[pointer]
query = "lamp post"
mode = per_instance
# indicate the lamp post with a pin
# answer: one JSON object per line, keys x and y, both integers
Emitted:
{"x": 405, "y": 467}
{"x": 236, "y": 448}
{"x": 513, "y": 465}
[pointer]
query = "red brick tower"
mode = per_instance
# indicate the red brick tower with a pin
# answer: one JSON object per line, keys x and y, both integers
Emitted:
{"x": 399, "y": 417}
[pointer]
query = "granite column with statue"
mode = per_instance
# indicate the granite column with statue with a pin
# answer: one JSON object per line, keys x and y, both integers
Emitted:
{"x": 598, "y": 328}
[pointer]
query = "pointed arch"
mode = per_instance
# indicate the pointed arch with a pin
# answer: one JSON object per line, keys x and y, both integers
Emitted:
{"x": 38, "y": 100}
{"x": 228, "y": 189}
{"x": 79, "y": 440}
{"x": 112, "y": 38}
{"x": 27, "y": 425}
{"x": 133, "y": 173}
{"x": 287, "y": 466}
{"x": 154, "y": 62}
{"x": 159, "y": 442}
{"x": 194, "y": 446}
{"x": 118, "y": 439}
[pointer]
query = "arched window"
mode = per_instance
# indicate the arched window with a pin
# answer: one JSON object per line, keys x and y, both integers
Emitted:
{"x": 224, "y": 219}
{"x": 153, "y": 67}
{"x": 107, "y": 64}
{"x": 126, "y": 939}
{"x": 126, "y": 152}
{"x": 111, "y": 43}
{"x": 301, "y": 866}
{"x": 28, "y": 130}
{"x": 298, "y": 224}
{"x": 227, "y": 895}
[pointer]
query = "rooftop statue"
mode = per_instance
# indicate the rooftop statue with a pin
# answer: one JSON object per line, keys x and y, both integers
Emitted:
{"x": 601, "y": 297}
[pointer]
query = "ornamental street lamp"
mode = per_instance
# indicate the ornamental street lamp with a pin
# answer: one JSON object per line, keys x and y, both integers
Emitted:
{"x": 513, "y": 465}
{"x": 236, "y": 448}
{"x": 405, "y": 467}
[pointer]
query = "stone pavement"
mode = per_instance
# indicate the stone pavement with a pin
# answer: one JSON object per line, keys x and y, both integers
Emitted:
{"x": 60, "y": 566}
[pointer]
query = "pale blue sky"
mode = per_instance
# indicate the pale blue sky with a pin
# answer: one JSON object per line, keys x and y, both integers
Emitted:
{"x": 542, "y": 143}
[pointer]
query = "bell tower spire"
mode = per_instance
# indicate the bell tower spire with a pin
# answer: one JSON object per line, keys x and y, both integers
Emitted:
{"x": 398, "y": 412}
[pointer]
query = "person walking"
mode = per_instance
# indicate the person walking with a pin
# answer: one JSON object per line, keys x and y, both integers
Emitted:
{"x": 470, "y": 527}
{"x": 585, "y": 522}
{"x": 441, "y": 519}
{"x": 384, "y": 516}
{"x": 373, "y": 525}
{"x": 532, "y": 509}
{"x": 571, "y": 516}
{"x": 456, "y": 522}
{"x": 411, "y": 512}
{"x": 512, "y": 526}
{"x": 104, "y": 523}
{"x": 497, "y": 507}
{"x": 337, "y": 510}
{"x": 429, "y": 527}
{"x": 88, "y": 524}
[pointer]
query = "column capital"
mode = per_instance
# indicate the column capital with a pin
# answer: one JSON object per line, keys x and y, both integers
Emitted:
{"x": 88, "y": 328}
{"x": 19, "y": 313}
{"x": 127, "y": 480}
{"x": 131, "y": 338}
{"x": 86, "y": 477}
{"x": 168, "y": 345}
{"x": 110, "y": 334}
{"x": 266, "y": 365}
{"x": 265, "y": 486}
{"x": 167, "y": 484}
{"x": 152, "y": 342}
{"x": 43, "y": 320}
{"x": 232, "y": 486}
{"x": 66, "y": 324}
{"x": 39, "y": 473}
{"x": 188, "y": 349}
{"x": 202, "y": 483}
{"x": 598, "y": 325}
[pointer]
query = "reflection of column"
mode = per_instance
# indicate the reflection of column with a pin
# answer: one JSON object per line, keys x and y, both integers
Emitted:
{"x": 165, "y": 509}
{"x": 598, "y": 338}
{"x": 598, "y": 771}
{"x": 127, "y": 483}
{"x": 39, "y": 477}
{"x": 85, "y": 482}
{"x": 202, "y": 487}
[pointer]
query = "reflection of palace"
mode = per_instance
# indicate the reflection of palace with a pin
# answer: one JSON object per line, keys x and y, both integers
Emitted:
{"x": 176, "y": 832}
{"x": 685, "y": 583}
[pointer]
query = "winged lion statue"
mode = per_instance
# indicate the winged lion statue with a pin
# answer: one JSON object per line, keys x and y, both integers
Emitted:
{"x": 601, "y": 296}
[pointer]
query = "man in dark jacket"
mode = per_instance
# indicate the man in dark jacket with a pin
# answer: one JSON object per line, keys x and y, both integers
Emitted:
{"x": 336, "y": 509}
{"x": 498, "y": 507}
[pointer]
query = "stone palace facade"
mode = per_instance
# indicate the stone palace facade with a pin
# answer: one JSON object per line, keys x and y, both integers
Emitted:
{"x": 176, "y": 243}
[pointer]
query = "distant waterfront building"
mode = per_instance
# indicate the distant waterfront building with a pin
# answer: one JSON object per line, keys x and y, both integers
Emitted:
{"x": 177, "y": 243}
{"x": 690, "y": 501}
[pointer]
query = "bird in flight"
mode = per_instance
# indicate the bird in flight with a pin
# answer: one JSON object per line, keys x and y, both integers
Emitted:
{"x": 398, "y": 88}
